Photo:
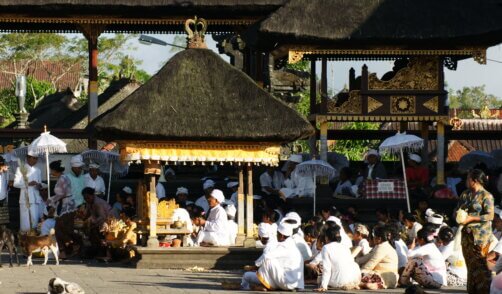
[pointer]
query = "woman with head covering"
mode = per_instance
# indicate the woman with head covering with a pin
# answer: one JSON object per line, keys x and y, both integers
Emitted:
{"x": 63, "y": 198}
{"x": 215, "y": 229}
{"x": 477, "y": 205}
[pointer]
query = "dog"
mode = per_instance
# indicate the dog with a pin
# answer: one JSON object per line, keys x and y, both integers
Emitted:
{"x": 7, "y": 239}
{"x": 58, "y": 286}
{"x": 32, "y": 244}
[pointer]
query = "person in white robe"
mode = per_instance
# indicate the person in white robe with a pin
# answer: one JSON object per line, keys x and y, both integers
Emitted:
{"x": 160, "y": 190}
{"x": 233, "y": 227}
{"x": 280, "y": 267}
{"x": 234, "y": 187}
{"x": 4, "y": 191}
{"x": 339, "y": 270}
{"x": 295, "y": 221}
{"x": 296, "y": 185}
{"x": 28, "y": 178}
{"x": 271, "y": 181}
{"x": 215, "y": 229}
{"x": 94, "y": 180}
{"x": 202, "y": 202}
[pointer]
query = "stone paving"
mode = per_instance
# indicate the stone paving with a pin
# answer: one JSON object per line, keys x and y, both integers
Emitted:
{"x": 97, "y": 277}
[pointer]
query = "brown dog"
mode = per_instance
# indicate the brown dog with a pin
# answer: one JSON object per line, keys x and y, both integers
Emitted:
{"x": 32, "y": 244}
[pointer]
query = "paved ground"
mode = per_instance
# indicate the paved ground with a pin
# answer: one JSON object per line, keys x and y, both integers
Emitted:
{"x": 97, "y": 277}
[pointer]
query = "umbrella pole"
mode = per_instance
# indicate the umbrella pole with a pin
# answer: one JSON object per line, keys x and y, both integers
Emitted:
{"x": 48, "y": 172}
{"x": 405, "y": 181}
{"x": 315, "y": 191}
{"x": 109, "y": 182}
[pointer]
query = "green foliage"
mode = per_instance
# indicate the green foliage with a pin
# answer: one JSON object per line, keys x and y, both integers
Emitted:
{"x": 34, "y": 91}
{"x": 303, "y": 65}
{"x": 472, "y": 98}
{"x": 355, "y": 149}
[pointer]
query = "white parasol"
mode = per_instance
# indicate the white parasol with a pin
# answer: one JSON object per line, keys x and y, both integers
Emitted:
{"x": 396, "y": 144}
{"x": 315, "y": 168}
{"x": 45, "y": 144}
{"x": 109, "y": 163}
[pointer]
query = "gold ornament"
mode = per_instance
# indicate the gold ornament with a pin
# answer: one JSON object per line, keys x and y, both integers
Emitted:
{"x": 373, "y": 104}
{"x": 432, "y": 104}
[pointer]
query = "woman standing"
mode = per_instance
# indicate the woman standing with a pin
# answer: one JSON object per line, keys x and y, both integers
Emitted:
{"x": 66, "y": 216}
{"x": 479, "y": 205}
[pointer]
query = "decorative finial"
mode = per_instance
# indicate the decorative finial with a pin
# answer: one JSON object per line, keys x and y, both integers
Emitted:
{"x": 196, "y": 28}
{"x": 45, "y": 128}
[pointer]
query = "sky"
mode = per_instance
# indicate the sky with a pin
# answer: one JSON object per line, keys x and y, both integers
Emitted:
{"x": 469, "y": 73}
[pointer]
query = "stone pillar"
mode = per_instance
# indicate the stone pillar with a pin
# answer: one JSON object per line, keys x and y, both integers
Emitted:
{"x": 250, "y": 241}
{"x": 240, "y": 210}
{"x": 152, "y": 242}
{"x": 440, "y": 153}
{"x": 22, "y": 120}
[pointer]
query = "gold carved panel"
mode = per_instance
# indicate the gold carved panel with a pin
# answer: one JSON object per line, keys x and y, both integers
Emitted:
{"x": 373, "y": 104}
{"x": 432, "y": 104}
{"x": 402, "y": 104}
{"x": 353, "y": 105}
{"x": 166, "y": 209}
{"x": 420, "y": 74}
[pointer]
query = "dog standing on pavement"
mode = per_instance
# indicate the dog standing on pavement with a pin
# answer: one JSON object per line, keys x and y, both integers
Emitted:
{"x": 7, "y": 240}
{"x": 32, "y": 244}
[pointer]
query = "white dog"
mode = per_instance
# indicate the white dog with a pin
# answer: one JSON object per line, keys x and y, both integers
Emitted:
{"x": 58, "y": 286}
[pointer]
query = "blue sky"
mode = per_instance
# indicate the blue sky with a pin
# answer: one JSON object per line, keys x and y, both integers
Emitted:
{"x": 469, "y": 73}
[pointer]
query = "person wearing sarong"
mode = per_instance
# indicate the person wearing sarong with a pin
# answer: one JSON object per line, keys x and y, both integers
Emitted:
{"x": 479, "y": 205}
{"x": 425, "y": 262}
{"x": 380, "y": 267}
{"x": 339, "y": 270}
{"x": 28, "y": 178}
{"x": 97, "y": 212}
{"x": 65, "y": 219}
{"x": 281, "y": 267}
{"x": 215, "y": 228}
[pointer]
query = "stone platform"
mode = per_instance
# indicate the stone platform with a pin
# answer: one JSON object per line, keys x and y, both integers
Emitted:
{"x": 222, "y": 258}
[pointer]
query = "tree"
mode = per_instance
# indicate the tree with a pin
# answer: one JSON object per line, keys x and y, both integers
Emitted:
{"x": 472, "y": 98}
{"x": 355, "y": 149}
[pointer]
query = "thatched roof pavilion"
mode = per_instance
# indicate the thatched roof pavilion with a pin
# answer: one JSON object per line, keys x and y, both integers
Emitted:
{"x": 410, "y": 23}
{"x": 198, "y": 102}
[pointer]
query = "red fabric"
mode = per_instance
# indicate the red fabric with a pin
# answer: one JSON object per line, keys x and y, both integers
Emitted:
{"x": 370, "y": 190}
{"x": 420, "y": 174}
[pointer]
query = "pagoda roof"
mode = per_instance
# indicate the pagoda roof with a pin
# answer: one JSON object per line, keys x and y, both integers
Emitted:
{"x": 197, "y": 96}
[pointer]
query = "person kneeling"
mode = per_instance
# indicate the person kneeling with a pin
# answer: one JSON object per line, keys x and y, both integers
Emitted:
{"x": 215, "y": 229}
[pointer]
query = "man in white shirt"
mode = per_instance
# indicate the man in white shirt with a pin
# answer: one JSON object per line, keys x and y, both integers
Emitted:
{"x": 28, "y": 178}
{"x": 295, "y": 184}
{"x": 271, "y": 181}
{"x": 160, "y": 190}
{"x": 281, "y": 267}
{"x": 215, "y": 228}
{"x": 208, "y": 187}
{"x": 233, "y": 228}
{"x": 94, "y": 180}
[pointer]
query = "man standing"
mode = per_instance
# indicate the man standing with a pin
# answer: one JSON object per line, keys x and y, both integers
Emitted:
{"x": 4, "y": 191}
{"x": 77, "y": 179}
{"x": 94, "y": 180}
{"x": 28, "y": 179}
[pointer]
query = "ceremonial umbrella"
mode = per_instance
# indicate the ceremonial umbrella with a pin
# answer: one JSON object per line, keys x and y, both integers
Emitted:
{"x": 109, "y": 163}
{"x": 45, "y": 144}
{"x": 471, "y": 159}
{"x": 315, "y": 168}
{"x": 396, "y": 144}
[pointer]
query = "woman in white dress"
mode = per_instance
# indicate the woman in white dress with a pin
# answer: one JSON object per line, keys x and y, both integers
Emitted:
{"x": 340, "y": 271}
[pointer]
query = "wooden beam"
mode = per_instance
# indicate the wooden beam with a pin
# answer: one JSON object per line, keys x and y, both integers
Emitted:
{"x": 383, "y": 134}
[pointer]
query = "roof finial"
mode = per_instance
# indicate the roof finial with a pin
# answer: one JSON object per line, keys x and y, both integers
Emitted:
{"x": 196, "y": 28}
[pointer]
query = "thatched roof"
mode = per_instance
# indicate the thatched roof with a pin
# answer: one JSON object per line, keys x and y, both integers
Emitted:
{"x": 351, "y": 23}
{"x": 197, "y": 96}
